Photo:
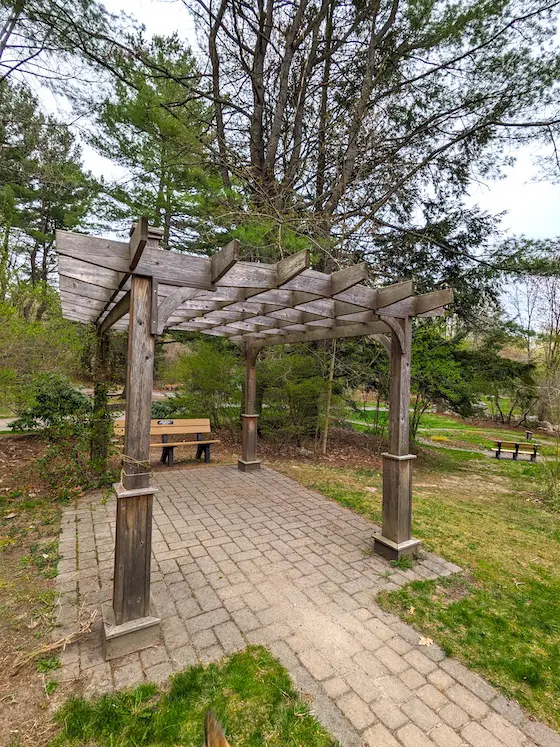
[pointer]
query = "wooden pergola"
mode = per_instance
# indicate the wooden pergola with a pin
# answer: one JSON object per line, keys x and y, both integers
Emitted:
{"x": 139, "y": 286}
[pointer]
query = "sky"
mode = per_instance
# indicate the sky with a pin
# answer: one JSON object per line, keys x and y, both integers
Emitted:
{"x": 532, "y": 205}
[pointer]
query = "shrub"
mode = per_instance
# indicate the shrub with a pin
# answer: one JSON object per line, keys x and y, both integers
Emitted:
{"x": 291, "y": 389}
{"x": 55, "y": 403}
{"x": 210, "y": 377}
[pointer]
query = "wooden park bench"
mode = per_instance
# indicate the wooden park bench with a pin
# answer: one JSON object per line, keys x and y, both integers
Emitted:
{"x": 515, "y": 449}
{"x": 176, "y": 427}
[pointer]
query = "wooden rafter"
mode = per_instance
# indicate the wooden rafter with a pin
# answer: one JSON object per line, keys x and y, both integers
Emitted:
{"x": 267, "y": 304}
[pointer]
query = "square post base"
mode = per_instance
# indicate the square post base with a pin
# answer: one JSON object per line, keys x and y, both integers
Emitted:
{"x": 246, "y": 466}
{"x": 132, "y": 636}
{"x": 394, "y": 550}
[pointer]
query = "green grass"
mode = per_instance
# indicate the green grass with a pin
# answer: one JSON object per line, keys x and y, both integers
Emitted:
{"x": 453, "y": 432}
{"x": 250, "y": 694}
{"x": 501, "y": 617}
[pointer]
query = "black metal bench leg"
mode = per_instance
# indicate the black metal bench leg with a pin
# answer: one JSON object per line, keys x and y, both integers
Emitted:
{"x": 170, "y": 457}
{"x": 163, "y": 456}
{"x": 199, "y": 450}
{"x": 207, "y": 453}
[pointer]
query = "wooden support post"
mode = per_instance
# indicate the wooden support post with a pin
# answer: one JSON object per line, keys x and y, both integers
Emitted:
{"x": 396, "y": 539}
{"x": 249, "y": 461}
{"x": 132, "y": 623}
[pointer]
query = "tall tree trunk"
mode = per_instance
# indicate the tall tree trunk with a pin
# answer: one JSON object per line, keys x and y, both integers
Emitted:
{"x": 4, "y": 261}
{"x": 329, "y": 401}
{"x": 323, "y": 112}
{"x": 168, "y": 214}
{"x": 9, "y": 27}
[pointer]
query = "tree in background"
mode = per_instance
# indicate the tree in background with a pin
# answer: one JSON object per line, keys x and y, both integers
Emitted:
{"x": 359, "y": 126}
{"x": 161, "y": 144}
{"x": 30, "y": 347}
{"x": 43, "y": 188}
{"x": 437, "y": 374}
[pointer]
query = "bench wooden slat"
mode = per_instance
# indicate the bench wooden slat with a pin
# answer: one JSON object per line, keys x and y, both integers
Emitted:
{"x": 174, "y": 421}
{"x": 169, "y": 430}
{"x": 166, "y": 427}
{"x": 174, "y": 427}
{"x": 165, "y": 444}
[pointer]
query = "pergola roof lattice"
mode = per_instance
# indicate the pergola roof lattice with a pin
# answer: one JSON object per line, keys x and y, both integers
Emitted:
{"x": 264, "y": 304}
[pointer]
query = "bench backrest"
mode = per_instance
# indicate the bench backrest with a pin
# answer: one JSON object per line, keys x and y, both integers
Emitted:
{"x": 170, "y": 426}
{"x": 528, "y": 447}
{"x": 520, "y": 446}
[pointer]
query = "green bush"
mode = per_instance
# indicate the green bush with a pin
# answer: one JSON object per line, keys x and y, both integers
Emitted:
{"x": 210, "y": 376}
{"x": 63, "y": 414}
{"x": 54, "y": 403}
{"x": 291, "y": 392}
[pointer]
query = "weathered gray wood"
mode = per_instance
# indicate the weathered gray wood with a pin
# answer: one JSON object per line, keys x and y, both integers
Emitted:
{"x": 223, "y": 260}
{"x": 88, "y": 273}
{"x": 343, "y": 279}
{"x": 131, "y": 589}
{"x": 141, "y": 345}
{"x": 249, "y": 417}
{"x": 167, "y": 267}
{"x": 311, "y": 281}
{"x": 155, "y": 307}
{"x": 397, "y": 463}
{"x": 427, "y": 303}
{"x": 399, "y": 394}
{"x": 91, "y": 248}
{"x": 353, "y": 330}
{"x": 83, "y": 290}
{"x": 291, "y": 266}
{"x": 137, "y": 242}
{"x": 117, "y": 312}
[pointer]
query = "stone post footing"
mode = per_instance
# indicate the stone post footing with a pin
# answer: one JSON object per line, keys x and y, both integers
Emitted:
{"x": 394, "y": 550}
{"x": 246, "y": 466}
{"x": 131, "y": 636}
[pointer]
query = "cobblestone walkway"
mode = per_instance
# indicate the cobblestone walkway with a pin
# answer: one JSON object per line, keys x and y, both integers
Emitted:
{"x": 256, "y": 558}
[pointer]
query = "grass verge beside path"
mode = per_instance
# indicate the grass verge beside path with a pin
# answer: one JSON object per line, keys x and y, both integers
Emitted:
{"x": 250, "y": 693}
{"x": 501, "y": 617}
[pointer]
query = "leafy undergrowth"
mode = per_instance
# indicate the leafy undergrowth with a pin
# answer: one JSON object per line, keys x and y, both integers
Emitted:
{"x": 501, "y": 616}
{"x": 250, "y": 693}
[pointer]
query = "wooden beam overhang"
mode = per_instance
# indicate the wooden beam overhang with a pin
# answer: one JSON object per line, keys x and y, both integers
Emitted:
{"x": 247, "y": 302}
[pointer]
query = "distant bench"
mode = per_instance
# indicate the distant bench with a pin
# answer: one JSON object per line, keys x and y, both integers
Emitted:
{"x": 174, "y": 427}
{"x": 515, "y": 449}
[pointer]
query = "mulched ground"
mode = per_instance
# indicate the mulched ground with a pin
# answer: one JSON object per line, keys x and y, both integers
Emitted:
{"x": 29, "y": 522}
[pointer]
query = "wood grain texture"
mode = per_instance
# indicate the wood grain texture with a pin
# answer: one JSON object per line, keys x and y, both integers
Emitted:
{"x": 117, "y": 312}
{"x": 131, "y": 587}
{"x": 140, "y": 368}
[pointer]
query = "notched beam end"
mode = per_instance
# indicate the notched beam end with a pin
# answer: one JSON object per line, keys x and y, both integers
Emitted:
{"x": 223, "y": 260}
{"x": 138, "y": 241}
{"x": 291, "y": 266}
{"x": 343, "y": 279}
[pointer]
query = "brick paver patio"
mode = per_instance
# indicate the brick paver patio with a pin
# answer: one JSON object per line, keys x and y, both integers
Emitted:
{"x": 256, "y": 558}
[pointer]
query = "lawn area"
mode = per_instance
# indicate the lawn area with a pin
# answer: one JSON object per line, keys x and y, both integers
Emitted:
{"x": 442, "y": 429}
{"x": 501, "y": 616}
{"x": 250, "y": 693}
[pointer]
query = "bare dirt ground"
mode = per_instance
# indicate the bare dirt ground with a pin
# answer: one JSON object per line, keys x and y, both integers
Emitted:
{"x": 29, "y": 524}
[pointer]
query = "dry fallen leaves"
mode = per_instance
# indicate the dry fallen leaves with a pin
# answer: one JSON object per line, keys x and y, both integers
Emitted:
{"x": 425, "y": 641}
